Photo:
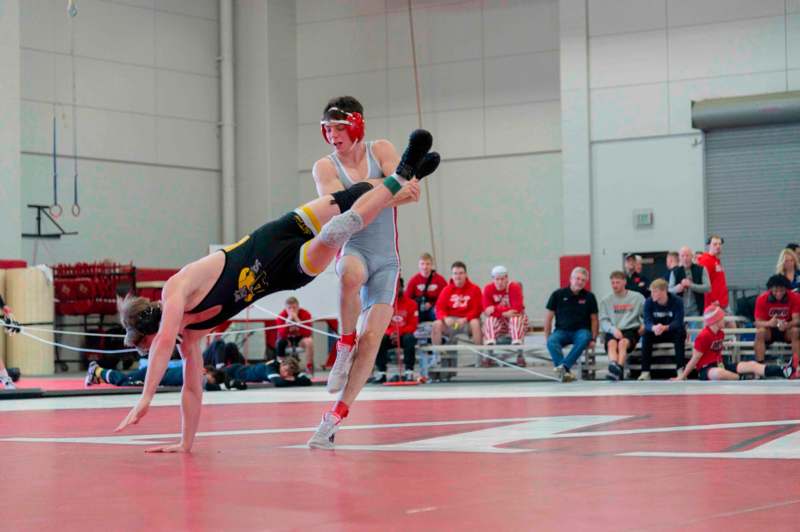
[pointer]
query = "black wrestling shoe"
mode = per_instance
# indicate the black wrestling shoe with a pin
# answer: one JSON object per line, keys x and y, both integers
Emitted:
{"x": 428, "y": 165}
{"x": 419, "y": 144}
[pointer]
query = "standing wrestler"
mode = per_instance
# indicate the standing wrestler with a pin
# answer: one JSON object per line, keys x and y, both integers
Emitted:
{"x": 369, "y": 265}
{"x": 281, "y": 255}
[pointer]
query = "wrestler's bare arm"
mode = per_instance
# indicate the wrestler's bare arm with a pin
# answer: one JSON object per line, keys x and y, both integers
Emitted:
{"x": 388, "y": 159}
{"x": 172, "y": 310}
{"x": 325, "y": 177}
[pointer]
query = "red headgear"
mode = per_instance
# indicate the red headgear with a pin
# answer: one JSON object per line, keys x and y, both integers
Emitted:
{"x": 353, "y": 121}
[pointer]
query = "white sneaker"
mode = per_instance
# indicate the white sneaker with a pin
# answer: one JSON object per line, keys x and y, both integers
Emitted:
{"x": 516, "y": 342}
{"x": 490, "y": 342}
{"x": 7, "y": 383}
{"x": 341, "y": 368}
{"x": 90, "y": 376}
{"x": 645, "y": 376}
{"x": 323, "y": 437}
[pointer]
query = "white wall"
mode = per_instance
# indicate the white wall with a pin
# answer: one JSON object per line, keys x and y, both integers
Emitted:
{"x": 489, "y": 79}
{"x": 645, "y": 61}
{"x": 147, "y": 111}
{"x": 266, "y": 111}
{"x": 10, "y": 243}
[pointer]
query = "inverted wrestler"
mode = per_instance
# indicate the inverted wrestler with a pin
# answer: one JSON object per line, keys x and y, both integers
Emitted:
{"x": 284, "y": 254}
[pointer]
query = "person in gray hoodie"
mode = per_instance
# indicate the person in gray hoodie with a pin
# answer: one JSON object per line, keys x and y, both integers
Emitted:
{"x": 622, "y": 324}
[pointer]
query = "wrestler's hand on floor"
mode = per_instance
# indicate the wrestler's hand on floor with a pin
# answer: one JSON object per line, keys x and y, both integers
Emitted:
{"x": 136, "y": 414}
{"x": 173, "y": 448}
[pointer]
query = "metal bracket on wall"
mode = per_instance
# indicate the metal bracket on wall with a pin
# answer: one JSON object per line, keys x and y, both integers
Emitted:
{"x": 45, "y": 210}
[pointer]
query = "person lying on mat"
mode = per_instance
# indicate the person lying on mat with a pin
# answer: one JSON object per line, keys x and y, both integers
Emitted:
{"x": 284, "y": 254}
{"x": 173, "y": 376}
{"x": 284, "y": 373}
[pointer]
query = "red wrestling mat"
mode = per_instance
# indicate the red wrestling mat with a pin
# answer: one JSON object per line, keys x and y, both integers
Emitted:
{"x": 59, "y": 384}
{"x": 701, "y": 463}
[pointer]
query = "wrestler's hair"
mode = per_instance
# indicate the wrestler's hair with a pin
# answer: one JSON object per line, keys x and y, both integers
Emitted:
{"x": 348, "y": 104}
{"x": 616, "y": 274}
{"x": 291, "y": 300}
{"x": 129, "y": 309}
{"x": 426, "y": 256}
{"x": 293, "y": 363}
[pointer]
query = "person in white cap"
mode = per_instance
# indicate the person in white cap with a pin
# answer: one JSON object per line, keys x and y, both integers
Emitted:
{"x": 707, "y": 355}
{"x": 504, "y": 309}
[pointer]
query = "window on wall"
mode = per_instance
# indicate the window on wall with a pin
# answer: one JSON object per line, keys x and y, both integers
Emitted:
{"x": 753, "y": 197}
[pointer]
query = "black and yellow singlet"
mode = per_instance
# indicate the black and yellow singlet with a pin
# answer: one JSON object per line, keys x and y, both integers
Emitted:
{"x": 264, "y": 262}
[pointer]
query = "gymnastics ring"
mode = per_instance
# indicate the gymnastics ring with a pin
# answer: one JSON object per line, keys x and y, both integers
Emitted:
{"x": 56, "y": 210}
{"x": 76, "y": 210}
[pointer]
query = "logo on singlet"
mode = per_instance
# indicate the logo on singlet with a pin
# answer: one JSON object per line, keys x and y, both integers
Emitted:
{"x": 302, "y": 225}
{"x": 252, "y": 283}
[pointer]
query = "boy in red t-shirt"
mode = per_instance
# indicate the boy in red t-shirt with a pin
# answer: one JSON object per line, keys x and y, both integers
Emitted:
{"x": 292, "y": 334}
{"x": 400, "y": 333}
{"x": 707, "y": 355}
{"x": 777, "y": 317}
{"x": 458, "y": 307}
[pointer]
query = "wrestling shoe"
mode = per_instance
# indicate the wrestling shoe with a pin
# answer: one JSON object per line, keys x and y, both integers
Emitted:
{"x": 341, "y": 367}
{"x": 419, "y": 144}
{"x": 644, "y": 376}
{"x": 91, "y": 377}
{"x": 323, "y": 437}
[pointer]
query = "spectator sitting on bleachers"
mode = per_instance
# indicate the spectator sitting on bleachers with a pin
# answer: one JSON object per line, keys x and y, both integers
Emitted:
{"x": 400, "y": 333}
{"x": 635, "y": 280}
{"x": 425, "y": 287}
{"x": 295, "y": 335}
{"x": 621, "y": 321}
{"x": 220, "y": 353}
{"x": 777, "y": 317}
{"x": 458, "y": 307}
{"x": 281, "y": 374}
{"x": 97, "y": 375}
{"x": 788, "y": 267}
{"x": 716, "y": 273}
{"x": 575, "y": 311}
{"x": 663, "y": 322}
{"x": 707, "y": 355}
{"x": 689, "y": 282}
{"x": 504, "y": 308}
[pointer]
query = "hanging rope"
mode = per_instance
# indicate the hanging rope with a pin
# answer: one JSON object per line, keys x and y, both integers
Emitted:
{"x": 76, "y": 208}
{"x": 419, "y": 124}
